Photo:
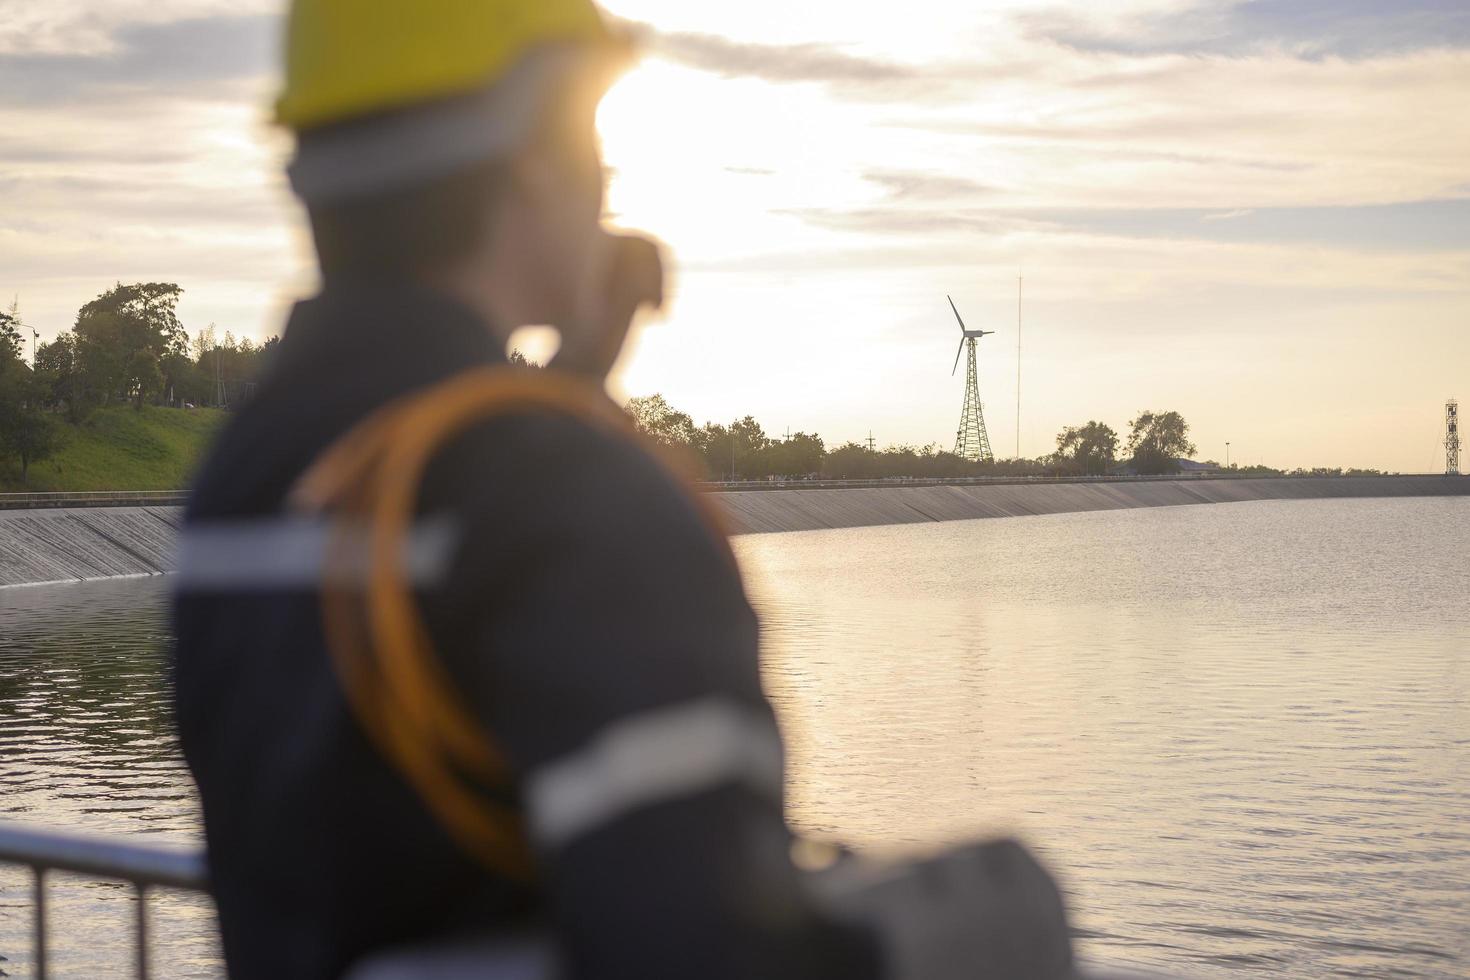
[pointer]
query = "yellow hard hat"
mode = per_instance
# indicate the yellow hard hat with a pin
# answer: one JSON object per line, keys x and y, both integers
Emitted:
{"x": 346, "y": 59}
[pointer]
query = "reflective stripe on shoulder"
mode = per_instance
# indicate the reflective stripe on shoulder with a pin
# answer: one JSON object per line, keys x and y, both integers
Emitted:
{"x": 291, "y": 553}
{"x": 652, "y": 758}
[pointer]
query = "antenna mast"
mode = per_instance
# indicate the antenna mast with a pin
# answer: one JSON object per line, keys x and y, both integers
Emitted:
{"x": 1452, "y": 438}
{"x": 1019, "y": 282}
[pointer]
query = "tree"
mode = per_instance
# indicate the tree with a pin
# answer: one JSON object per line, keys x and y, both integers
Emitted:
{"x": 850, "y": 461}
{"x": 1157, "y": 440}
{"x": 797, "y": 455}
{"x": 72, "y": 374}
{"x": 223, "y": 373}
{"x": 117, "y": 329}
{"x": 663, "y": 423}
{"x": 1090, "y": 449}
{"x": 748, "y": 444}
{"x": 717, "y": 449}
{"x": 144, "y": 376}
{"x": 27, "y": 431}
{"x": 10, "y": 342}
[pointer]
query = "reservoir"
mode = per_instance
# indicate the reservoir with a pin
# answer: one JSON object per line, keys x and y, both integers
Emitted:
{"x": 1239, "y": 733}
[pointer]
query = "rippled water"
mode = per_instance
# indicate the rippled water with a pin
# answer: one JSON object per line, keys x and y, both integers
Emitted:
{"x": 86, "y": 745}
{"x": 1240, "y": 733}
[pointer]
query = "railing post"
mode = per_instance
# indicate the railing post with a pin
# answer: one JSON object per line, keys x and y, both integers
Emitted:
{"x": 142, "y": 903}
{"x": 40, "y": 922}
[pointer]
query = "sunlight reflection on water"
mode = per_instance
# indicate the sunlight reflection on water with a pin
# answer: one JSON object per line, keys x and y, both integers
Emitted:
{"x": 1240, "y": 733}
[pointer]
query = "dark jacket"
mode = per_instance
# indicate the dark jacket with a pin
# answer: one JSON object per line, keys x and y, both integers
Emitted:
{"x": 585, "y": 597}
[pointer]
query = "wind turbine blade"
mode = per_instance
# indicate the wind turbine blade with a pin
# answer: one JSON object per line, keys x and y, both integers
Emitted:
{"x": 956, "y": 312}
{"x": 957, "y": 351}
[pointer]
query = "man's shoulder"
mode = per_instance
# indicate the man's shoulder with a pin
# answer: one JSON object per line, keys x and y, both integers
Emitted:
{"x": 534, "y": 463}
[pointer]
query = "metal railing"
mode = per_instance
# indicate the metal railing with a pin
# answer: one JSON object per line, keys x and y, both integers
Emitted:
{"x": 146, "y": 867}
{"x": 142, "y": 867}
{"x": 95, "y": 498}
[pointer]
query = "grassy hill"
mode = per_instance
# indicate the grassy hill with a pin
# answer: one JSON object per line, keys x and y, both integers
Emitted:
{"x": 120, "y": 448}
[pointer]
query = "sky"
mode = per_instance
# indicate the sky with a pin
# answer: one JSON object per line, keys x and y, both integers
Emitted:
{"x": 1254, "y": 212}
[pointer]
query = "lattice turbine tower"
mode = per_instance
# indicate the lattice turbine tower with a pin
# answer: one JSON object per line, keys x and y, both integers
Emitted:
{"x": 970, "y": 440}
{"x": 1452, "y": 438}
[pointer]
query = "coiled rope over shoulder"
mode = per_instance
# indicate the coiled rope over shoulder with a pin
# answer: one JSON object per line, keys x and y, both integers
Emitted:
{"x": 397, "y": 686}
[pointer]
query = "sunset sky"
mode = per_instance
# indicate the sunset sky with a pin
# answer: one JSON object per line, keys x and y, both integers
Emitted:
{"x": 1255, "y": 213}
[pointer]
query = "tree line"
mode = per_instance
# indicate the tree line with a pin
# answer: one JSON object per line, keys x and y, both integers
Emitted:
{"x": 126, "y": 347}
{"x": 742, "y": 450}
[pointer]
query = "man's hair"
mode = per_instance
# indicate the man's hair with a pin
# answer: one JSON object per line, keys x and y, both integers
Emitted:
{"x": 408, "y": 231}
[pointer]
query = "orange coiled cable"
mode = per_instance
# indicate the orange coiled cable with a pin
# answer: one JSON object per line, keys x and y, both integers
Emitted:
{"x": 397, "y": 686}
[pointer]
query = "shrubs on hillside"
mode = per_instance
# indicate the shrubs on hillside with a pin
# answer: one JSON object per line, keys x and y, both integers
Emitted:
{"x": 127, "y": 347}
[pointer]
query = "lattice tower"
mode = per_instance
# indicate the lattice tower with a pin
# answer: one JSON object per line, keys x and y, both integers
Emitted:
{"x": 971, "y": 441}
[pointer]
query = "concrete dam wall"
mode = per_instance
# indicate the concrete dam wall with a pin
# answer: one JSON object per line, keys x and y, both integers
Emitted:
{"x": 766, "y": 511}
{"x": 76, "y": 544}
{"x": 73, "y": 544}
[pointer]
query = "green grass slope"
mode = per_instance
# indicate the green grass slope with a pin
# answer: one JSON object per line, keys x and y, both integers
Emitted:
{"x": 120, "y": 448}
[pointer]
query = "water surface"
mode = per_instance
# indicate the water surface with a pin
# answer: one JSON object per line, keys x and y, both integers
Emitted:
{"x": 1240, "y": 733}
{"x": 86, "y": 745}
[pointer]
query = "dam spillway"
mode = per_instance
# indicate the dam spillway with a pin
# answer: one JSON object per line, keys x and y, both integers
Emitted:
{"x": 769, "y": 511}
{"x": 71, "y": 544}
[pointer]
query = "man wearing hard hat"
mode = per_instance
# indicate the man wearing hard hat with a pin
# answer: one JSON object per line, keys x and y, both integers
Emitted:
{"x": 465, "y": 674}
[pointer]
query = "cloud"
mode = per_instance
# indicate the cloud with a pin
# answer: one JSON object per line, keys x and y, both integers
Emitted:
{"x": 1441, "y": 225}
{"x": 849, "y": 75}
{"x": 1313, "y": 29}
{"x": 773, "y": 62}
{"x": 190, "y": 57}
{"x": 904, "y": 185}
{"x": 1412, "y": 227}
{"x": 906, "y": 221}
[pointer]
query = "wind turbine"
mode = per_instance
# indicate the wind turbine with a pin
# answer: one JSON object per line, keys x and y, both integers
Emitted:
{"x": 971, "y": 440}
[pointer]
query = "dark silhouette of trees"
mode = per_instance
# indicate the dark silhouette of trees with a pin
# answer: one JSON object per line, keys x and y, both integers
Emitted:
{"x": 1090, "y": 449}
{"x": 128, "y": 346}
{"x": 27, "y": 431}
{"x": 1158, "y": 439}
{"x": 10, "y": 340}
{"x": 852, "y": 461}
{"x": 801, "y": 454}
{"x": 742, "y": 450}
{"x": 661, "y": 422}
{"x": 60, "y": 371}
